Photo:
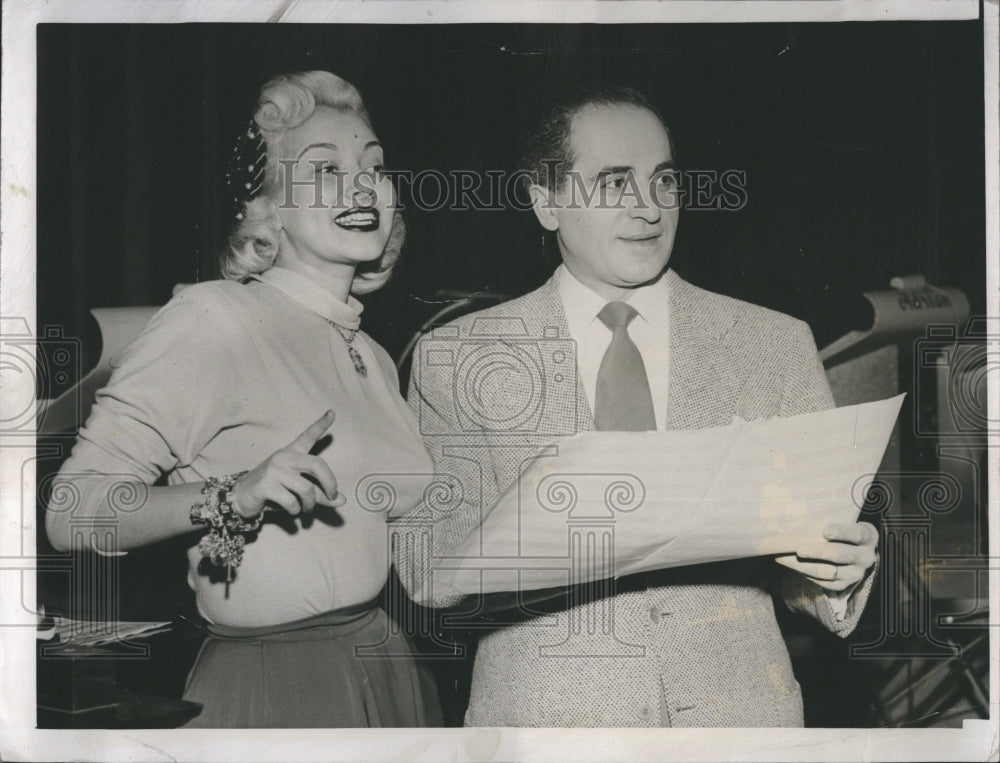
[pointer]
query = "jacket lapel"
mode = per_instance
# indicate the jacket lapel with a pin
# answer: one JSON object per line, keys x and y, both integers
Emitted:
{"x": 703, "y": 383}
{"x": 565, "y": 409}
{"x": 549, "y": 314}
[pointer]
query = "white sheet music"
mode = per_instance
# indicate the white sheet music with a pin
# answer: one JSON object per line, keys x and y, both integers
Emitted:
{"x": 607, "y": 504}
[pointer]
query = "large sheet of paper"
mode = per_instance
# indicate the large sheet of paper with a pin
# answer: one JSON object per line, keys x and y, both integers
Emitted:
{"x": 602, "y": 504}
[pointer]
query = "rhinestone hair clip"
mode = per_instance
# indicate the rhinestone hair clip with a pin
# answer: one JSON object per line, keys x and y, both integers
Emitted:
{"x": 245, "y": 176}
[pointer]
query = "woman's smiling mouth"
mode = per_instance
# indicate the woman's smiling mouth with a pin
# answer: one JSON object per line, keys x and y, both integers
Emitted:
{"x": 359, "y": 219}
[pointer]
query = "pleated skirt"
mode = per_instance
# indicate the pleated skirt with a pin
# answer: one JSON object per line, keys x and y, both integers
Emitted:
{"x": 341, "y": 669}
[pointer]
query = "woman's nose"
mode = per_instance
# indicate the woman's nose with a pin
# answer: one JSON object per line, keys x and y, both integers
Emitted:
{"x": 363, "y": 197}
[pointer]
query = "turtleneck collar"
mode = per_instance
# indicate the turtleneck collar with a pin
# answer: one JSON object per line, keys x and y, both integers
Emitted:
{"x": 313, "y": 293}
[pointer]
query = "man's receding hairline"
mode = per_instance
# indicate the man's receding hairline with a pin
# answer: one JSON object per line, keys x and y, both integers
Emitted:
{"x": 596, "y": 105}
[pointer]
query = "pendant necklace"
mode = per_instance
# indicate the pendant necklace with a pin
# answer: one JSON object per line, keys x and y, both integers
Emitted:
{"x": 348, "y": 336}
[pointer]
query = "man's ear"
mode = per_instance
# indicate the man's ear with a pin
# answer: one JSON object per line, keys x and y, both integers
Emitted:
{"x": 543, "y": 203}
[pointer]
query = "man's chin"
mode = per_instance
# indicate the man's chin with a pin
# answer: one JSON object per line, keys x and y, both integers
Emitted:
{"x": 647, "y": 271}
{"x": 650, "y": 280}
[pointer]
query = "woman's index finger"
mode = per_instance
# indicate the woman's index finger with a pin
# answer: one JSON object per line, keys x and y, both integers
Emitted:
{"x": 313, "y": 432}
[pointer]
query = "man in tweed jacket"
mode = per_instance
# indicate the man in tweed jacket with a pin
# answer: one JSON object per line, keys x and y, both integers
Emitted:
{"x": 694, "y": 646}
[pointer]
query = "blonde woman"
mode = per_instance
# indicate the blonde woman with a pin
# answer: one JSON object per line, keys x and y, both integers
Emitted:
{"x": 264, "y": 405}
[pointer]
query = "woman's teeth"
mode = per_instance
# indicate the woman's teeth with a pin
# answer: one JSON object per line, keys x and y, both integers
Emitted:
{"x": 359, "y": 221}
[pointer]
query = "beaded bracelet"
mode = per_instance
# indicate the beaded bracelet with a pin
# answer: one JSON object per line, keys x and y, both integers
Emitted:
{"x": 224, "y": 543}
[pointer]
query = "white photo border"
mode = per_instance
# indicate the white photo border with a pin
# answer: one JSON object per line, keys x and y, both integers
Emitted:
{"x": 18, "y": 738}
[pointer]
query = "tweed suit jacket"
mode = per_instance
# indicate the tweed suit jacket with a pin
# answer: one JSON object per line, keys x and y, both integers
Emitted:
{"x": 692, "y": 646}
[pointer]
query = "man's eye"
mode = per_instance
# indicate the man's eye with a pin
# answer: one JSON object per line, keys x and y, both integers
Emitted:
{"x": 614, "y": 182}
{"x": 330, "y": 169}
{"x": 667, "y": 180}
{"x": 378, "y": 170}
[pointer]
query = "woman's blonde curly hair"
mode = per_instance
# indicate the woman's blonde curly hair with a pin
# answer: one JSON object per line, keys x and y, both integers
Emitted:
{"x": 286, "y": 102}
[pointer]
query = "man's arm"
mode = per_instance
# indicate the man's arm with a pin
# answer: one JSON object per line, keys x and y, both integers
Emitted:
{"x": 831, "y": 578}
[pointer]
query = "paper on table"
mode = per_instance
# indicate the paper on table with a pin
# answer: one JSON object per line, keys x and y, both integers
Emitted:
{"x": 97, "y": 633}
{"x": 615, "y": 503}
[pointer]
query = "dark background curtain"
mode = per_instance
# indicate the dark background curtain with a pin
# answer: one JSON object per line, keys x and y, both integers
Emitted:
{"x": 862, "y": 144}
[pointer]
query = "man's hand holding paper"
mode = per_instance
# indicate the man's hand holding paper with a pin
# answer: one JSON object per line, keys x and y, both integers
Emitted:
{"x": 837, "y": 561}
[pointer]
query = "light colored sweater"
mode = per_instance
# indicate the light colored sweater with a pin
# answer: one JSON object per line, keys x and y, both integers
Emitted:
{"x": 222, "y": 377}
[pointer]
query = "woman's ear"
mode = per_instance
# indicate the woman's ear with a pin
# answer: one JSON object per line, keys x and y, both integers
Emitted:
{"x": 543, "y": 204}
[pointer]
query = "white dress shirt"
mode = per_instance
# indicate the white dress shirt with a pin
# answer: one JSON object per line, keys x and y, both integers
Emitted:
{"x": 648, "y": 330}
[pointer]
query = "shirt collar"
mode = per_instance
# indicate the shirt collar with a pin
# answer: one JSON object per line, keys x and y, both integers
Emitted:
{"x": 311, "y": 294}
{"x": 582, "y": 305}
{"x": 652, "y": 302}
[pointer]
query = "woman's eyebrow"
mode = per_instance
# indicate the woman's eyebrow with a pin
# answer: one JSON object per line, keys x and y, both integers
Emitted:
{"x": 333, "y": 146}
{"x": 316, "y": 145}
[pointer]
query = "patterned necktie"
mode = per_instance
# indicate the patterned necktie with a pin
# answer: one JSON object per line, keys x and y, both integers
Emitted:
{"x": 623, "y": 402}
